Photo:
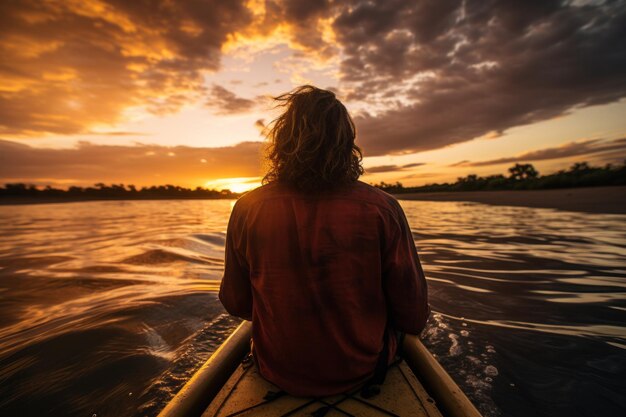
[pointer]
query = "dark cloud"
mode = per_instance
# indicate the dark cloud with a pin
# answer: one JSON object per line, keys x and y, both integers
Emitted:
{"x": 413, "y": 165}
{"x": 67, "y": 66}
{"x": 462, "y": 163}
{"x": 612, "y": 157}
{"x": 381, "y": 168}
{"x": 438, "y": 72}
{"x": 261, "y": 126}
{"x": 227, "y": 102}
{"x": 304, "y": 19}
{"x": 260, "y": 123}
{"x": 392, "y": 168}
{"x": 450, "y": 71}
{"x": 582, "y": 148}
{"x": 142, "y": 164}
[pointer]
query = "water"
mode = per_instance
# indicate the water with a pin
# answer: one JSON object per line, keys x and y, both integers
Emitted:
{"x": 107, "y": 308}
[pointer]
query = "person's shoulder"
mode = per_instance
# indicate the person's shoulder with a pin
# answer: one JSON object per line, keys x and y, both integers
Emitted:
{"x": 357, "y": 191}
{"x": 375, "y": 195}
{"x": 257, "y": 194}
{"x": 387, "y": 202}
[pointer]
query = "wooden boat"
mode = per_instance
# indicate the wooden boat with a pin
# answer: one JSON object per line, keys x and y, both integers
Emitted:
{"x": 229, "y": 384}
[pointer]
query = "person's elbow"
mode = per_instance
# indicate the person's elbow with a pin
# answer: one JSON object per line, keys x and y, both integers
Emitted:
{"x": 413, "y": 323}
{"x": 235, "y": 307}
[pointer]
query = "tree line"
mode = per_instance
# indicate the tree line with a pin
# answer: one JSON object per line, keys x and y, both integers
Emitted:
{"x": 521, "y": 177}
{"x": 525, "y": 177}
{"x": 101, "y": 191}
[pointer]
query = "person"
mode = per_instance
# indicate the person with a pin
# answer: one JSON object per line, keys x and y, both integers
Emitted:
{"x": 324, "y": 265}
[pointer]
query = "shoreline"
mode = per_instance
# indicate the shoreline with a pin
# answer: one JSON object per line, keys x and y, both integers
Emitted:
{"x": 604, "y": 199}
{"x": 21, "y": 201}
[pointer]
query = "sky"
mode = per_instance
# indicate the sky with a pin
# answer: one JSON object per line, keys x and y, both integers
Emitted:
{"x": 179, "y": 92}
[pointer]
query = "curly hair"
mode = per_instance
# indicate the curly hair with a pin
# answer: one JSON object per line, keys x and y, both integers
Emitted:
{"x": 311, "y": 144}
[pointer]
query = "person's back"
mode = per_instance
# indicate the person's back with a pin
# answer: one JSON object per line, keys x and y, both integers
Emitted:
{"x": 325, "y": 276}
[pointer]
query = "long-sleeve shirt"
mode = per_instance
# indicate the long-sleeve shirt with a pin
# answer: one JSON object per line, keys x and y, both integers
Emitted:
{"x": 321, "y": 276}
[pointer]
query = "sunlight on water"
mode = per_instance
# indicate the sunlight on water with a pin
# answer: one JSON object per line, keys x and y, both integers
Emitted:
{"x": 107, "y": 308}
{"x": 553, "y": 314}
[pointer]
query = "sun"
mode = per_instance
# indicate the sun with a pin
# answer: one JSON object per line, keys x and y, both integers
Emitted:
{"x": 241, "y": 187}
{"x": 236, "y": 185}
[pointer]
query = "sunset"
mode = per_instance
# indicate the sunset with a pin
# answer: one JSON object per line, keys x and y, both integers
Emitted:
{"x": 179, "y": 92}
{"x": 411, "y": 208}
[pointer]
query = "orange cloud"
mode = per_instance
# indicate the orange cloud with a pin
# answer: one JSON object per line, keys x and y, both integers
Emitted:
{"x": 226, "y": 102}
{"x": 74, "y": 65}
{"x": 424, "y": 75}
{"x": 585, "y": 148}
{"x": 142, "y": 164}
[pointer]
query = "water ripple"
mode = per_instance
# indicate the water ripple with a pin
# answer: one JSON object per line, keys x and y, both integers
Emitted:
{"x": 107, "y": 308}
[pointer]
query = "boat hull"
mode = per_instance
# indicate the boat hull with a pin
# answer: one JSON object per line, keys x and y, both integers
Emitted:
{"x": 229, "y": 385}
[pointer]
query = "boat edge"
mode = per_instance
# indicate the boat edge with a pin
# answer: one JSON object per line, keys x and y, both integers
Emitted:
{"x": 196, "y": 395}
{"x": 438, "y": 383}
{"x": 204, "y": 385}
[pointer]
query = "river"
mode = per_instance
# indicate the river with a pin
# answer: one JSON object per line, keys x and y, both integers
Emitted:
{"x": 107, "y": 308}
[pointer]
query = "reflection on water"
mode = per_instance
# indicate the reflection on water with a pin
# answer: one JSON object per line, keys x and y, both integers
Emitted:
{"x": 108, "y": 307}
{"x": 529, "y": 305}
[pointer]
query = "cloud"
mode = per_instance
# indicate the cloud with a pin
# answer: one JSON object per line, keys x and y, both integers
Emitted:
{"x": 117, "y": 133}
{"x": 68, "y": 66}
{"x": 261, "y": 126}
{"x": 430, "y": 73}
{"x": 570, "y": 149}
{"x": 391, "y": 168}
{"x": 423, "y": 175}
{"x": 445, "y": 72}
{"x": 413, "y": 165}
{"x": 142, "y": 164}
{"x": 462, "y": 163}
{"x": 227, "y": 102}
{"x": 304, "y": 25}
{"x": 436, "y": 73}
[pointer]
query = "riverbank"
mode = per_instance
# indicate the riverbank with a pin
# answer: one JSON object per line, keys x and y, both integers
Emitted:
{"x": 44, "y": 200}
{"x": 610, "y": 200}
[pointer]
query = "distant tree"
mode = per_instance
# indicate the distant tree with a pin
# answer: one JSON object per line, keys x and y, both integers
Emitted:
{"x": 17, "y": 187}
{"x": 523, "y": 172}
{"x": 495, "y": 182}
{"x": 471, "y": 178}
{"x": 522, "y": 176}
{"x": 580, "y": 167}
{"x": 390, "y": 188}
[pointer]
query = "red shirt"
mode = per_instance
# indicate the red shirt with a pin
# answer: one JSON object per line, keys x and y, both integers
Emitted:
{"x": 320, "y": 276}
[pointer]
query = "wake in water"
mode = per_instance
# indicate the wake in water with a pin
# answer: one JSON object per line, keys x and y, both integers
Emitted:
{"x": 107, "y": 308}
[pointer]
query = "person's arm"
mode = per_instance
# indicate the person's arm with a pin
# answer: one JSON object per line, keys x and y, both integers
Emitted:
{"x": 403, "y": 279}
{"x": 235, "y": 289}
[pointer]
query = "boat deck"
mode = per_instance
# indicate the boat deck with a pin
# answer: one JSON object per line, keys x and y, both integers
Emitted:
{"x": 246, "y": 393}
